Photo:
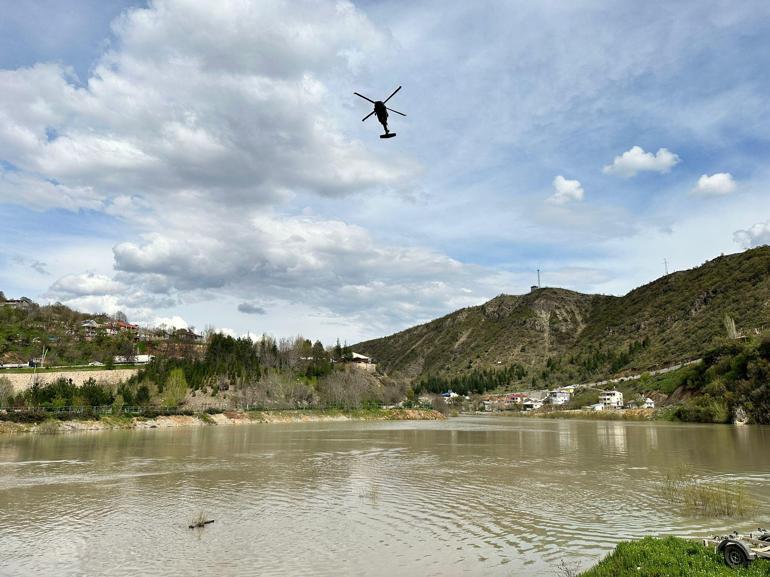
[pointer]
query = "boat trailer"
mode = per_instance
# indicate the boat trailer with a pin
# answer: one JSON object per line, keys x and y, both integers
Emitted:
{"x": 739, "y": 550}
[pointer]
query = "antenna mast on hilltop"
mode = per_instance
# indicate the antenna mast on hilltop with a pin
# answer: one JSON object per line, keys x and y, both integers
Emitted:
{"x": 665, "y": 264}
{"x": 538, "y": 278}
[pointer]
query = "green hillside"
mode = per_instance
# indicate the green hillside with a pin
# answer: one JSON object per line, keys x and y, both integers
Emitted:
{"x": 26, "y": 328}
{"x": 561, "y": 336}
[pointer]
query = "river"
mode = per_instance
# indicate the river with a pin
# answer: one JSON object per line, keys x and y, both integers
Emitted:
{"x": 488, "y": 496}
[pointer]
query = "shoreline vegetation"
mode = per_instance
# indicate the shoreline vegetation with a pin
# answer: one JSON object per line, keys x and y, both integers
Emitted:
{"x": 669, "y": 556}
{"x": 111, "y": 422}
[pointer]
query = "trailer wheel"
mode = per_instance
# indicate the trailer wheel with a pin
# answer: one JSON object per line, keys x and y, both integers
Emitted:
{"x": 735, "y": 556}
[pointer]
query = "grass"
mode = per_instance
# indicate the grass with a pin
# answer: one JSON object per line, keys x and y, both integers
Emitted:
{"x": 206, "y": 418}
{"x": 48, "y": 427}
{"x": 370, "y": 495}
{"x": 669, "y": 557}
{"x": 199, "y": 520}
{"x": 700, "y": 499}
{"x": 117, "y": 421}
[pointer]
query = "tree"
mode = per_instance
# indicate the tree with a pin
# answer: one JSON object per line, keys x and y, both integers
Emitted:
{"x": 439, "y": 404}
{"x": 6, "y": 391}
{"x": 125, "y": 349}
{"x": 117, "y": 405}
{"x": 143, "y": 395}
{"x": 176, "y": 388}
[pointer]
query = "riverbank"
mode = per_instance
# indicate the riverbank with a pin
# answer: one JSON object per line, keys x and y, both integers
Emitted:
{"x": 606, "y": 415}
{"x": 669, "y": 556}
{"x": 109, "y": 422}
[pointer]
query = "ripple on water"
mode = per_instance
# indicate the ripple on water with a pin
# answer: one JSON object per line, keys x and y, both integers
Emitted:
{"x": 488, "y": 496}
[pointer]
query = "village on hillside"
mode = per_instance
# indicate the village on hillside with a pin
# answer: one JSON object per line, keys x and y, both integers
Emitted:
{"x": 529, "y": 401}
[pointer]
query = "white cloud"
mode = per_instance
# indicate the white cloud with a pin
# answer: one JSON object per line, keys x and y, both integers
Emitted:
{"x": 566, "y": 191}
{"x": 175, "y": 322}
{"x": 206, "y": 128}
{"x": 637, "y": 160}
{"x": 756, "y": 235}
{"x": 224, "y": 106}
{"x": 41, "y": 194}
{"x": 226, "y": 331}
{"x": 718, "y": 184}
{"x": 76, "y": 285}
{"x": 326, "y": 264}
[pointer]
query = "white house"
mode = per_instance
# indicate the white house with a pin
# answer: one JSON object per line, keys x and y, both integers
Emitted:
{"x": 596, "y": 407}
{"x": 649, "y": 403}
{"x": 532, "y": 404}
{"x": 558, "y": 397}
{"x": 135, "y": 360}
{"x": 611, "y": 399}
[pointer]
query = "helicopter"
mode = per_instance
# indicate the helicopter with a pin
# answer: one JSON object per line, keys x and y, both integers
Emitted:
{"x": 382, "y": 112}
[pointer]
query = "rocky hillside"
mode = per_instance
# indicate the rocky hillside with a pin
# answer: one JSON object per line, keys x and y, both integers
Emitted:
{"x": 560, "y": 335}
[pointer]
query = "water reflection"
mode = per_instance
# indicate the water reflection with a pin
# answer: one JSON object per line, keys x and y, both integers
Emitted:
{"x": 470, "y": 496}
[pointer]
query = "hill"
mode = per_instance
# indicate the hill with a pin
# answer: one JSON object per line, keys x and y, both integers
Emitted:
{"x": 555, "y": 336}
{"x": 75, "y": 338}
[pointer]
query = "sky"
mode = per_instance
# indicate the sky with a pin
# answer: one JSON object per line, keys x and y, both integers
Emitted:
{"x": 204, "y": 164}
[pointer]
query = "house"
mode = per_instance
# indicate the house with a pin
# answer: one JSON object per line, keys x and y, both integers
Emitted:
{"x": 363, "y": 359}
{"x": 122, "y": 327}
{"x": 449, "y": 395}
{"x": 90, "y": 328}
{"x": 135, "y": 360}
{"x": 186, "y": 335}
{"x": 595, "y": 407}
{"x": 611, "y": 399}
{"x": 22, "y": 303}
{"x": 649, "y": 403}
{"x": 532, "y": 404}
{"x": 558, "y": 397}
{"x": 515, "y": 398}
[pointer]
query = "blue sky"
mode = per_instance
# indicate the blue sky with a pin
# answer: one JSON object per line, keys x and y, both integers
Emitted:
{"x": 188, "y": 161}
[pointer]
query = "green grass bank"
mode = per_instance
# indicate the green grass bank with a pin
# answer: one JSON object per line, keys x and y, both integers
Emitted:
{"x": 669, "y": 557}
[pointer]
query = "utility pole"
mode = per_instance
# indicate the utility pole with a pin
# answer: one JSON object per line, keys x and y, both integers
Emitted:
{"x": 665, "y": 264}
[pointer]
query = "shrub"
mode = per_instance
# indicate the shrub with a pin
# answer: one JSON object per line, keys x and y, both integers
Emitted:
{"x": 6, "y": 392}
{"x": 176, "y": 388}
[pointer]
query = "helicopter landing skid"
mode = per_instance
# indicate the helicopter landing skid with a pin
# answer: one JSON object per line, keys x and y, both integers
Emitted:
{"x": 388, "y": 135}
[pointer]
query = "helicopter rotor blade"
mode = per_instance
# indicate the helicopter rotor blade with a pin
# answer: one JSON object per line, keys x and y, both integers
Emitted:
{"x": 364, "y": 97}
{"x": 396, "y": 111}
{"x": 367, "y": 116}
{"x": 392, "y": 95}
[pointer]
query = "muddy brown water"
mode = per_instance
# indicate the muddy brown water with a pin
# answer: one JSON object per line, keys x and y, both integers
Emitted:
{"x": 491, "y": 496}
